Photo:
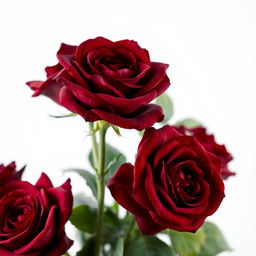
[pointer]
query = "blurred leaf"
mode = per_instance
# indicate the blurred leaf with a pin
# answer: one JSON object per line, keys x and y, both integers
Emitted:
{"x": 88, "y": 248}
{"x": 214, "y": 242}
{"x": 63, "y": 116}
{"x": 84, "y": 218}
{"x": 166, "y": 103}
{"x": 113, "y": 158}
{"x": 148, "y": 246}
{"x": 187, "y": 244}
{"x": 119, "y": 249}
{"x": 88, "y": 177}
{"x": 189, "y": 123}
{"x": 82, "y": 198}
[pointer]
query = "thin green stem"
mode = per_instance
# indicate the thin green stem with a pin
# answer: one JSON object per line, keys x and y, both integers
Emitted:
{"x": 128, "y": 234}
{"x": 94, "y": 145}
{"x": 101, "y": 190}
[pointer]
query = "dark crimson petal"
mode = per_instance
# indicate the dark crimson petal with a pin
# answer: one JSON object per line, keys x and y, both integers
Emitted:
{"x": 68, "y": 100}
{"x": 86, "y": 97}
{"x": 148, "y": 226}
{"x": 98, "y": 83}
{"x": 141, "y": 119}
{"x": 154, "y": 79}
{"x": 84, "y": 48}
{"x": 65, "y": 56}
{"x": 53, "y": 70}
{"x": 44, "y": 182}
{"x": 50, "y": 88}
{"x": 44, "y": 237}
{"x": 190, "y": 225}
{"x": 60, "y": 246}
{"x": 151, "y": 141}
{"x": 136, "y": 49}
{"x": 63, "y": 199}
{"x": 5, "y": 252}
{"x": 126, "y": 106}
{"x": 168, "y": 216}
{"x": 120, "y": 186}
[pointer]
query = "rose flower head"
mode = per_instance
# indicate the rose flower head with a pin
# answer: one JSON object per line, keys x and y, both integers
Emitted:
{"x": 9, "y": 172}
{"x": 104, "y": 80}
{"x": 209, "y": 143}
{"x": 32, "y": 218}
{"x": 175, "y": 183}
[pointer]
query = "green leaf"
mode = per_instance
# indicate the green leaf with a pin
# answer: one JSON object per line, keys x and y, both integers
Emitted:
{"x": 214, "y": 242}
{"x": 88, "y": 248}
{"x": 187, "y": 244}
{"x": 88, "y": 177}
{"x": 113, "y": 160}
{"x": 116, "y": 129}
{"x": 119, "y": 250}
{"x": 63, "y": 116}
{"x": 148, "y": 246}
{"x": 189, "y": 123}
{"x": 84, "y": 218}
{"x": 166, "y": 103}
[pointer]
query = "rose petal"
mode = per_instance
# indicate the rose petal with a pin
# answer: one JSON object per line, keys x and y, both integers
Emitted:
{"x": 141, "y": 119}
{"x": 44, "y": 182}
{"x": 120, "y": 186}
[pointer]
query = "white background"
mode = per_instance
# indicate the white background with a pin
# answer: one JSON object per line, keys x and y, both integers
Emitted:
{"x": 210, "y": 46}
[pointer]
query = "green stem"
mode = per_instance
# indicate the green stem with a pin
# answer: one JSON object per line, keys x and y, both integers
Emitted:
{"x": 128, "y": 234}
{"x": 94, "y": 144}
{"x": 101, "y": 190}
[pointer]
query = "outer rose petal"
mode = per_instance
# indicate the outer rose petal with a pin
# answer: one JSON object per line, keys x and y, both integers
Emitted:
{"x": 141, "y": 119}
{"x": 61, "y": 246}
{"x": 148, "y": 226}
{"x": 44, "y": 182}
{"x": 62, "y": 198}
{"x": 120, "y": 186}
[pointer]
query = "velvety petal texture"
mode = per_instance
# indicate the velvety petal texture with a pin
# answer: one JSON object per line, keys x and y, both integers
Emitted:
{"x": 33, "y": 217}
{"x": 104, "y": 80}
{"x": 175, "y": 183}
{"x": 209, "y": 143}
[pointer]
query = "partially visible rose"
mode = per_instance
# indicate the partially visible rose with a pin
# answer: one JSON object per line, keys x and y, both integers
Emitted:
{"x": 9, "y": 172}
{"x": 105, "y": 80}
{"x": 32, "y": 218}
{"x": 175, "y": 183}
{"x": 209, "y": 143}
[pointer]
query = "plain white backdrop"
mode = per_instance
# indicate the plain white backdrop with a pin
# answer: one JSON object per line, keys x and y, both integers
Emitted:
{"x": 210, "y": 46}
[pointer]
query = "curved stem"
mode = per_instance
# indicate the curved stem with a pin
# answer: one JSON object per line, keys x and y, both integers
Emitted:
{"x": 101, "y": 190}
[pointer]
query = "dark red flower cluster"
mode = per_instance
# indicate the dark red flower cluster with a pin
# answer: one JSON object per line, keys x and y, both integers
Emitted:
{"x": 32, "y": 217}
{"x": 105, "y": 80}
{"x": 175, "y": 183}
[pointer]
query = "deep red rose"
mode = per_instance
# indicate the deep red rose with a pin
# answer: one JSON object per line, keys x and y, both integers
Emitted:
{"x": 175, "y": 183}
{"x": 105, "y": 80}
{"x": 209, "y": 143}
{"x": 9, "y": 172}
{"x": 32, "y": 218}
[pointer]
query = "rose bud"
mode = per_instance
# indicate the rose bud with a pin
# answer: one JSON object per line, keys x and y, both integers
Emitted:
{"x": 175, "y": 183}
{"x": 209, "y": 143}
{"x": 32, "y": 218}
{"x": 105, "y": 80}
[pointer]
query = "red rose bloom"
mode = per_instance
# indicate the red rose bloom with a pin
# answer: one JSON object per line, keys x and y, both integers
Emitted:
{"x": 9, "y": 172}
{"x": 175, "y": 183}
{"x": 105, "y": 80}
{"x": 209, "y": 143}
{"x": 32, "y": 218}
